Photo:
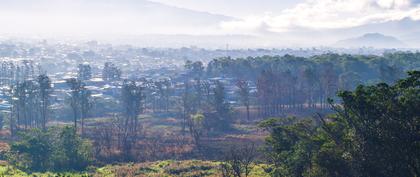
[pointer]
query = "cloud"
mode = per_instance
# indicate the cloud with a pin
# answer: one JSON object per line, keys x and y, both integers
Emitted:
{"x": 327, "y": 14}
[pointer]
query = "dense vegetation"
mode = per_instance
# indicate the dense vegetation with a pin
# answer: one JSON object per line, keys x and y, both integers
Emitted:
{"x": 53, "y": 150}
{"x": 368, "y": 69}
{"x": 375, "y": 132}
{"x": 210, "y": 112}
{"x": 184, "y": 168}
{"x": 288, "y": 82}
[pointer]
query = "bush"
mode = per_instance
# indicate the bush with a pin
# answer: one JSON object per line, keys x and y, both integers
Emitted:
{"x": 72, "y": 153}
{"x": 54, "y": 150}
{"x": 32, "y": 152}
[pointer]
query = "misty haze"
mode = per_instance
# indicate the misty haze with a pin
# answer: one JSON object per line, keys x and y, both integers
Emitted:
{"x": 191, "y": 88}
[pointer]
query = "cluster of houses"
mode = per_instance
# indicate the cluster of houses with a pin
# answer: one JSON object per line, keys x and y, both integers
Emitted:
{"x": 61, "y": 61}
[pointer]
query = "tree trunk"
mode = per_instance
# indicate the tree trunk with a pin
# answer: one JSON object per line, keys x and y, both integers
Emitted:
{"x": 247, "y": 112}
{"x": 75, "y": 119}
{"x": 83, "y": 125}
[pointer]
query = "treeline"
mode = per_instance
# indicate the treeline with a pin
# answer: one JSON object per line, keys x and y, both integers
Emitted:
{"x": 289, "y": 82}
{"x": 12, "y": 72}
{"x": 367, "y": 69}
{"x": 33, "y": 97}
{"x": 30, "y": 101}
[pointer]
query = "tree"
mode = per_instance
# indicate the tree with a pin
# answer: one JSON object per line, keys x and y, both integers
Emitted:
{"x": 111, "y": 72}
{"x": 199, "y": 93}
{"x": 265, "y": 91}
{"x": 45, "y": 90}
{"x": 310, "y": 84}
{"x": 238, "y": 160}
{"x": 389, "y": 74}
{"x": 187, "y": 106}
{"x": 163, "y": 91}
{"x": 73, "y": 152}
{"x": 24, "y": 105}
{"x": 80, "y": 100}
{"x": 84, "y": 72}
{"x": 329, "y": 82}
{"x": 33, "y": 152}
{"x": 195, "y": 69}
{"x": 220, "y": 104}
{"x": 289, "y": 145}
{"x": 132, "y": 97}
{"x": 86, "y": 104}
{"x": 244, "y": 94}
{"x": 55, "y": 149}
{"x": 196, "y": 128}
{"x": 349, "y": 81}
{"x": 375, "y": 132}
{"x": 385, "y": 122}
{"x": 1, "y": 121}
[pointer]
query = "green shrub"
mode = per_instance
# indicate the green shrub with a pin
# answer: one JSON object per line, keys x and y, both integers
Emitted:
{"x": 32, "y": 152}
{"x": 53, "y": 150}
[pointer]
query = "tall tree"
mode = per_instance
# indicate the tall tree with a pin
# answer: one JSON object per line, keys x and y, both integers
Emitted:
{"x": 244, "y": 95}
{"x": 45, "y": 90}
{"x": 76, "y": 87}
{"x": 86, "y": 104}
{"x": 195, "y": 69}
{"x": 221, "y": 105}
{"x": 24, "y": 101}
{"x": 187, "y": 102}
{"x": 111, "y": 72}
{"x": 84, "y": 72}
{"x": 132, "y": 98}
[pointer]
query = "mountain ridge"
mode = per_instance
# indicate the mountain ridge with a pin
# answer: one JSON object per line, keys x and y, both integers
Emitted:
{"x": 376, "y": 40}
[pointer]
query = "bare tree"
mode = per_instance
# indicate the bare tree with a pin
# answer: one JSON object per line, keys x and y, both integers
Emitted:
{"x": 238, "y": 160}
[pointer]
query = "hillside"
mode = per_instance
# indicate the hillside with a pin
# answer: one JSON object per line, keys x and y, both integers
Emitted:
{"x": 376, "y": 40}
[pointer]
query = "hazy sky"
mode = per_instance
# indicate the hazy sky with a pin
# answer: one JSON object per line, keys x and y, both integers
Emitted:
{"x": 235, "y": 8}
{"x": 134, "y": 17}
{"x": 331, "y": 14}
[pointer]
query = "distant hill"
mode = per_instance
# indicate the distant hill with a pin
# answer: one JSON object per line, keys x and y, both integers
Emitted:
{"x": 376, "y": 40}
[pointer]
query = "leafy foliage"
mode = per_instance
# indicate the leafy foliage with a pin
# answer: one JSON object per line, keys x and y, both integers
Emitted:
{"x": 55, "y": 150}
{"x": 374, "y": 133}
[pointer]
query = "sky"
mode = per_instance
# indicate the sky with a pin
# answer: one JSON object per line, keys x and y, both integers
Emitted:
{"x": 329, "y": 14}
{"x": 234, "y": 8}
{"x": 195, "y": 17}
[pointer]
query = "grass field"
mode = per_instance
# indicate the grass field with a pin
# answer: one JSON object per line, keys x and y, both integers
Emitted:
{"x": 188, "y": 168}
